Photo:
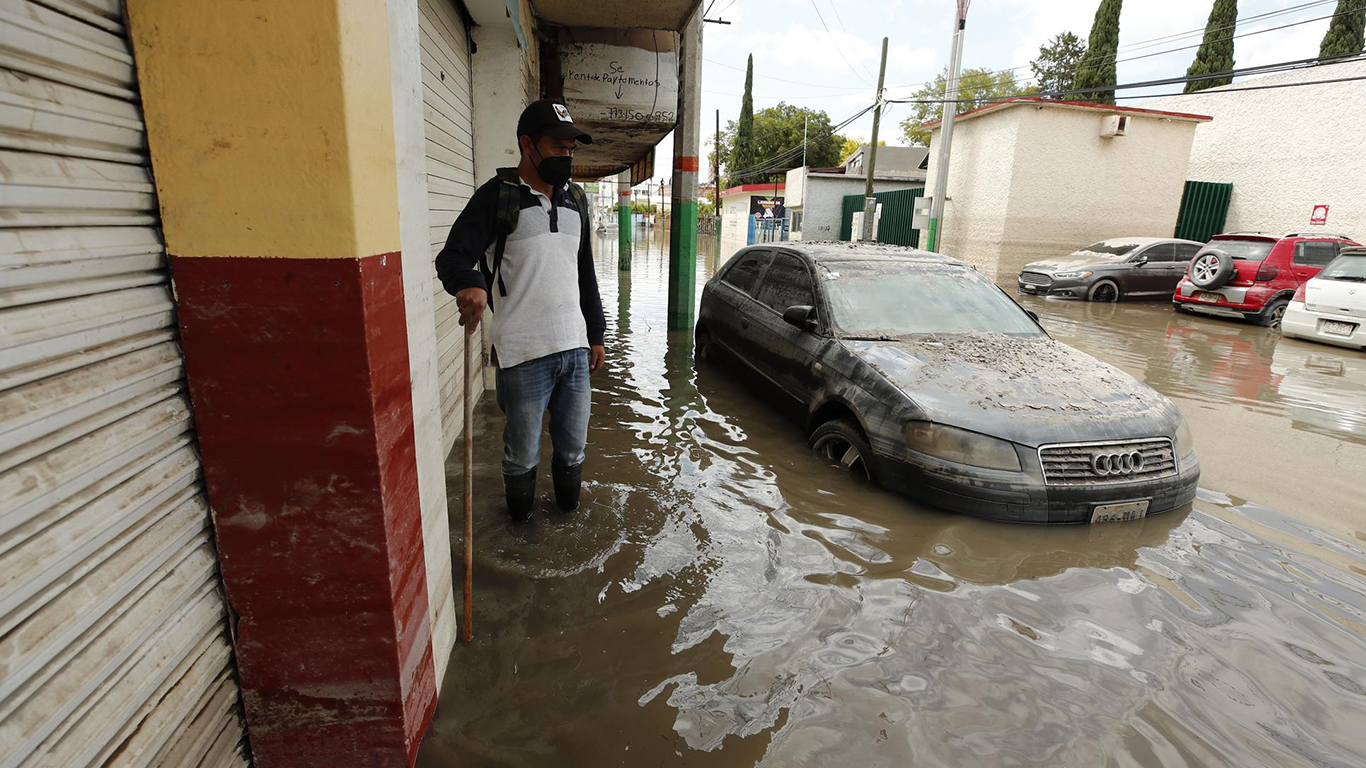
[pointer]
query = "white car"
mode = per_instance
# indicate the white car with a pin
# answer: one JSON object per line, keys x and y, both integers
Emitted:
{"x": 1331, "y": 307}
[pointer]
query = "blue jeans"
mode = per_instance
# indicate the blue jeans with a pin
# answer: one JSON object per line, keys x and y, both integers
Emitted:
{"x": 559, "y": 383}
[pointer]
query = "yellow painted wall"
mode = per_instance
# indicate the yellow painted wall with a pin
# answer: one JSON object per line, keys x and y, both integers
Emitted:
{"x": 270, "y": 125}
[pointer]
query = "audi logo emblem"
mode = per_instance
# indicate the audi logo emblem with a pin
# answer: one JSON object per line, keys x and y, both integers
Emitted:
{"x": 1109, "y": 464}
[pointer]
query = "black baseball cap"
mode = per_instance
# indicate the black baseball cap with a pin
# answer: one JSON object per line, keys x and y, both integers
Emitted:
{"x": 548, "y": 117}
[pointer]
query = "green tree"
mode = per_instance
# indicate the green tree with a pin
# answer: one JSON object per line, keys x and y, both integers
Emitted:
{"x": 775, "y": 144}
{"x": 1098, "y": 66}
{"x": 851, "y": 145}
{"x": 1346, "y": 32}
{"x": 1216, "y": 49}
{"x": 976, "y": 88}
{"x": 742, "y": 154}
{"x": 1056, "y": 65}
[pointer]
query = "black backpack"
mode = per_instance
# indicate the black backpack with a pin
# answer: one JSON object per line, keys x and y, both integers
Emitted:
{"x": 505, "y": 223}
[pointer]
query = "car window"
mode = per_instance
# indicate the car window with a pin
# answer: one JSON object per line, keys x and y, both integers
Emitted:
{"x": 787, "y": 284}
{"x": 1242, "y": 250}
{"x": 1315, "y": 253}
{"x": 1349, "y": 267}
{"x": 1186, "y": 251}
{"x": 745, "y": 273}
{"x": 875, "y": 299}
{"x": 1162, "y": 252}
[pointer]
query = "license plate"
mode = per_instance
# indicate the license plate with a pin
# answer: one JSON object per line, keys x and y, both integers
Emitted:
{"x": 1209, "y": 298}
{"x": 1117, "y": 513}
{"x": 1336, "y": 328}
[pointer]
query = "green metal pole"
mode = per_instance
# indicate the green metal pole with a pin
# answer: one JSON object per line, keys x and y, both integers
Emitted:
{"x": 624, "y": 221}
{"x": 687, "y": 140}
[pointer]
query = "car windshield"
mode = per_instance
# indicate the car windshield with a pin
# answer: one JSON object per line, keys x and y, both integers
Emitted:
{"x": 1243, "y": 250}
{"x": 1107, "y": 248}
{"x": 882, "y": 299}
{"x": 1349, "y": 267}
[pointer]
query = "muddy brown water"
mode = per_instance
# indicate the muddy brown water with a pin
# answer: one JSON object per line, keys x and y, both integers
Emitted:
{"x": 723, "y": 598}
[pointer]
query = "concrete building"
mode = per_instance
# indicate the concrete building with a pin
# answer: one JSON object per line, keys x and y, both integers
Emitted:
{"x": 739, "y": 203}
{"x": 1031, "y": 178}
{"x": 224, "y": 506}
{"x": 899, "y": 162}
{"x": 1286, "y": 150}
{"x": 815, "y": 196}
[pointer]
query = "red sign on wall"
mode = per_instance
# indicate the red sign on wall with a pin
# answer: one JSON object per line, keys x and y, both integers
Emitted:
{"x": 1319, "y": 215}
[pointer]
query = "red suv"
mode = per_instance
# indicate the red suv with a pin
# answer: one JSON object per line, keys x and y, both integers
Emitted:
{"x": 1253, "y": 275}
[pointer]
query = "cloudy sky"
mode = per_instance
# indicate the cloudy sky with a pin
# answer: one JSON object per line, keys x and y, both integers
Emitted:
{"x": 832, "y": 66}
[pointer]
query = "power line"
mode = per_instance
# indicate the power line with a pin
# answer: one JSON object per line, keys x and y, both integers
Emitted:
{"x": 835, "y": 7}
{"x": 835, "y": 44}
{"x": 784, "y": 80}
{"x": 778, "y": 160}
{"x": 1148, "y": 43}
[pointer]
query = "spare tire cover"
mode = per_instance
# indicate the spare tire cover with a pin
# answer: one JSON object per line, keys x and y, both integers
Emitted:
{"x": 1211, "y": 269}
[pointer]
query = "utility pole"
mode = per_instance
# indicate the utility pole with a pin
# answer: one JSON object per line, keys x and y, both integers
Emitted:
{"x": 941, "y": 177}
{"x": 806, "y": 119}
{"x": 716, "y": 177}
{"x": 683, "y": 210}
{"x": 870, "y": 202}
{"x": 624, "y": 221}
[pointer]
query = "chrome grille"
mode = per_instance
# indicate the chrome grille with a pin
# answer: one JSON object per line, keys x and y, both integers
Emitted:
{"x": 1107, "y": 463}
{"x": 1035, "y": 278}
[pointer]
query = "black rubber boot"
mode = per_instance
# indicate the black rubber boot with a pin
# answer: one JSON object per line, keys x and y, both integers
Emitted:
{"x": 521, "y": 494}
{"x": 568, "y": 482}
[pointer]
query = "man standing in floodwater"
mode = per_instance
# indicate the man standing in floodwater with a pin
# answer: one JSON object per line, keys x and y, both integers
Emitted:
{"x": 522, "y": 248}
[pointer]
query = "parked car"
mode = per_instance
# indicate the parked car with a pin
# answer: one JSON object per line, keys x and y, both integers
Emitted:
{"x": 912, "y": 370}
{"x": 1331, "y": 306}
{"x": 1253, "y": 275}
{"x": 1112, "y": 269}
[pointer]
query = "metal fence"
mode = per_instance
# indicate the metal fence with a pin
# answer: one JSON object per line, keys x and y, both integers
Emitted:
{"x": 1204, "y": 210}
{"x": 894, "y": 225}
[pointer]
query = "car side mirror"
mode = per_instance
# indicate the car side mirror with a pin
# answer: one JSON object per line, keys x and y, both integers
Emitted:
{"x": 802, "y": 316}
{"x": 1140, "y": 260}
{"x": 1033, "y": 316}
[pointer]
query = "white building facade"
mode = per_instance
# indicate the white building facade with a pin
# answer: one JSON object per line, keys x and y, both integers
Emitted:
{"x": 1031, "y": 178}
{"x": 1286, "y": 150}
{"x": 815, "y": 199}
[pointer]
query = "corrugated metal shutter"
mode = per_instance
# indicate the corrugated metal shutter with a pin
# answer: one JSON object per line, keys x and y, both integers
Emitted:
{"x": 1204, "y": 210}
{"x": 448, "y": 110}
{"x": 894, "y": 223}
{"x": 114, "y": 646}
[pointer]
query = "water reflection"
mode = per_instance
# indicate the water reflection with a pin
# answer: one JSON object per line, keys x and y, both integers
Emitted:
{"x": 726, "y": 599}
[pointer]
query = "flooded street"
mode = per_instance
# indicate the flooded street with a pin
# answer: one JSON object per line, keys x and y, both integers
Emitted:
{"x": 724, "y": 598}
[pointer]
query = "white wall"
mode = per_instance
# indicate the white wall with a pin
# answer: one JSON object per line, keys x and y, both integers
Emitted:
{"x": 1285, "y": 149}
{"x": 824, "y": 205}
{"x": 1030, "y": 182}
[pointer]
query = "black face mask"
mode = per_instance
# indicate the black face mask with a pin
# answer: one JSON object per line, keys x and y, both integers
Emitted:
{"x": 555, "y": 170}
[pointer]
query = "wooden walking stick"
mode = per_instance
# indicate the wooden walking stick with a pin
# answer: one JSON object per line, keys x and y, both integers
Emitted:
{"x": 469, "y": 487}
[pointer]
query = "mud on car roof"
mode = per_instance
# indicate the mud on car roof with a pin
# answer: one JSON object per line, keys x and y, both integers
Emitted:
{"x": 834, "y": 251}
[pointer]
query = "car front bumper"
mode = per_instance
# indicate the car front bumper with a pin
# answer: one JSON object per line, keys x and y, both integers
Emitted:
{"x": 1023, "y": 497}
{"x": 1073, "y": 288}
{"x": 1303, "y": 323}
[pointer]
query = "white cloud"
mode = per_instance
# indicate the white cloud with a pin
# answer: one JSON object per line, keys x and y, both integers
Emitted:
{"x": 818, "y": 49}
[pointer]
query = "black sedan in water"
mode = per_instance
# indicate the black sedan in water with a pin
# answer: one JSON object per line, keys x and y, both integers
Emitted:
{"x": 912, "y": 370}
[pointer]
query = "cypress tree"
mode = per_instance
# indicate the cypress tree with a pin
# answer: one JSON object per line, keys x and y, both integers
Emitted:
{"x": 744, "y": 131}
{"x": 1098, "y": 67}
{"x": 1216, "y": 49}
{"x": 1345, "y": 33}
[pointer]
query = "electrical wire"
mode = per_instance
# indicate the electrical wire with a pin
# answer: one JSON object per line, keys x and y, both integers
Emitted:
{"x": 836, "y": 45}
{"x": 784, "y": 80}
{"x": 775, "y": 162}
{"x": 1143, "y": 44}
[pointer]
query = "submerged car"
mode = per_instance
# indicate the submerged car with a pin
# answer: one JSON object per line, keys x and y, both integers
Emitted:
{"x": 1253, "y": 275}
{"x": 912, "y": 370}
{"x": 1331, "y": 306}
{"x": 1114, "y": 269}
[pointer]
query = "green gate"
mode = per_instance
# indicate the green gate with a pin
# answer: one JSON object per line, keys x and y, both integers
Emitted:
{"x": 898, "y": 210}
{"x": 1204, "y": 210}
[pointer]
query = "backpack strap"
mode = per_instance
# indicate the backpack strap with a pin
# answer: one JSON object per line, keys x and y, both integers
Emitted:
{"x": 505, "y": 222}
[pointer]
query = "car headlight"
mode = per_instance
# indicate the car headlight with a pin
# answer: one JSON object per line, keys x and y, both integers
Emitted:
{"x": 1185, "y": 446}
{"x": 1070, "y": 275}
{"x": 962, "y": 446}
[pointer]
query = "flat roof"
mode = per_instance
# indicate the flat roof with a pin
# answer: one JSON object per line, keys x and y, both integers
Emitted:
{"x": 1081, "y": 105}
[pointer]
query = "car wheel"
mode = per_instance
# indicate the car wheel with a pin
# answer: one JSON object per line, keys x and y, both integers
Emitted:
{"x": 1103, "y": 290}
{"x": 1271, "y": 316}
{"x": 841, "y": 442}
{"x": 701, "y": 346}
{"x": 1211, "y": 270}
